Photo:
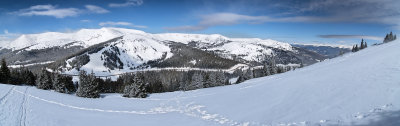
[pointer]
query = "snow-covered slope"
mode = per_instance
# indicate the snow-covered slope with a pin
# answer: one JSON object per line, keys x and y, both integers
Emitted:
{"x": 83, "y": 37}
{"x": 251, "y": 49}
{"x": 357, "y": 88}
{"x": 89, "y": 37}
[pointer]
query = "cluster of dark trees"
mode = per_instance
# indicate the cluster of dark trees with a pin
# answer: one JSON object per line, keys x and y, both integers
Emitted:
{"x": 363, "y": 45}
{"x": 44, "y": 80}
{"x": 268, "y": 69}
{"x": 389, "y": 37}
{"x": 53, "y": 81}
{"x": 4, "y": 72}
{"x": 140, "y": 84}
{"x": 184, "y": 54}
{"x": 16, "y": 76}
{"x": 137, "y": 84}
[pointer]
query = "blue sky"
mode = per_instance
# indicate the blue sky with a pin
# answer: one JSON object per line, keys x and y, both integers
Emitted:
{"x": 304, "y": 21}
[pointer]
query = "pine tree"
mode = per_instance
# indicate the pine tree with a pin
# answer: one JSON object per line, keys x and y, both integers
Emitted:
{"x": 391, "y": 36}
{"x": 208, "y": 80}
{"x": 273, "y": 68}
{"x": 137, "y": 87}
{"x": 5, "y": 72}
{"x": 362, "y": 44}
{"x": 386, "y": 38}
{"x": 31, "y": 79}
{"x": 88, "y": 86}
{"x": 266, "y": 70}
{"x": 220, "y": 79}
{"x": 249, "y": 74}
{"x": 69, "y": 84}
{"x": 58, "y": 84}
{"x": 44, "y": 80}
{"x": 197, "y": 81}
{"x": 356, "y": 48}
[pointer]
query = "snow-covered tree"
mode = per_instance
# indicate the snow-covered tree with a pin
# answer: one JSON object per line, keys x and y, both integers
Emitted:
{"x": 221, "y": 79}
{"x": 196, "y": 82}
{"x": 137, "y": 87}
{"x": 266, "y": 69}
{"x": 44, "y": 80}
{"x": 389, "y": 37}
{"x": 209, "y": 80}
{"x": 63, "y": 84}
{"x": 248, "y": 74}
{"x": 88, "y": 86}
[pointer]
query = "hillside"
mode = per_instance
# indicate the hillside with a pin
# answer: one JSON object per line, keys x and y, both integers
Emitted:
{"x": 359, "y": 88}
{"x": 117, "y": 50}
{"x": 329, "y": 51}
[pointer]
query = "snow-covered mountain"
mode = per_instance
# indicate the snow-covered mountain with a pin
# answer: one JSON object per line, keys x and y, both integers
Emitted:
{"x": 361, "y": 88}
{"x": 119, "y": 49}
{"x": 327, "y": 50}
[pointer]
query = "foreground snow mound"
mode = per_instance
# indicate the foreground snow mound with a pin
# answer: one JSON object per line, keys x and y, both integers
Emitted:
{"x": 353, "y": 89}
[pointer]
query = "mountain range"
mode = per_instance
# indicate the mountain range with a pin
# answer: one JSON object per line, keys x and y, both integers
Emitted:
{"x": 109, "y": 50}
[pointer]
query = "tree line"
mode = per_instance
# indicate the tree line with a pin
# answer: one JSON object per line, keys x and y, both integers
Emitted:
{"x": 16, "y": 76}
{"x": 269, "y": 68}
{"x": 138, "y": 84}
{"x": 389, "y": 37}
{"x": 356, "y": 48}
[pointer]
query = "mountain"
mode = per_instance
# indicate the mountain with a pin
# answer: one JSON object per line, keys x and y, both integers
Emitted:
{"x": 359, "y": 88}
{"x": 329, "y": 51}
{"x": 118, "y": 50}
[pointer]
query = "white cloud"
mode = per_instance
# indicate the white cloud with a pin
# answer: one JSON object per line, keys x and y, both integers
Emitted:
{"x": 86, "y": 21}
{"x": 384, "y": 12}
{"x": 7, "y": 36}
{"x": 352, "y": 37}
{"x": 127, "y": 3}
{"x": 48, "y": 10}
{"x": 186, "y": 28}
{"x": 54, "y": 11}
{"x": 217, "y": 19}
{"x": 110, "y": 23}
{"x": 96, "y": 9}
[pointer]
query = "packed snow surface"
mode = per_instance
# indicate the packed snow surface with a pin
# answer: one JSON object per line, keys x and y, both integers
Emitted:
{"x": 356, "y": 88}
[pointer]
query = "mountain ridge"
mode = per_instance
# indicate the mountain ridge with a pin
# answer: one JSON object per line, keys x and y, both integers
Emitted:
{"x": 140, "y": 50}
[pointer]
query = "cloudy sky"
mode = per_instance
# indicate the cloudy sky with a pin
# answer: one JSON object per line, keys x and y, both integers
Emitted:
{"x": 304, "y": 21}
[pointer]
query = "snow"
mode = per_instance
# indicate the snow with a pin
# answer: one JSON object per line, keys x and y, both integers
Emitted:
{"x": 251, "y": 49}
{"x": 142, "y": 47}
{"x": 352, "y": 89}
{"x": 83, "y": 37}
{"x": 325, "y": 44}
{"x": 18, "y": 66}
{"x": 186, "y": 38}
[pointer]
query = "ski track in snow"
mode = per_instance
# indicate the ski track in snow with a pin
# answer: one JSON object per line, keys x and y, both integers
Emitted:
{"x": 5, "y": 114}
{"x": 6, "y": 95}
{"x": 190, "y": 109}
